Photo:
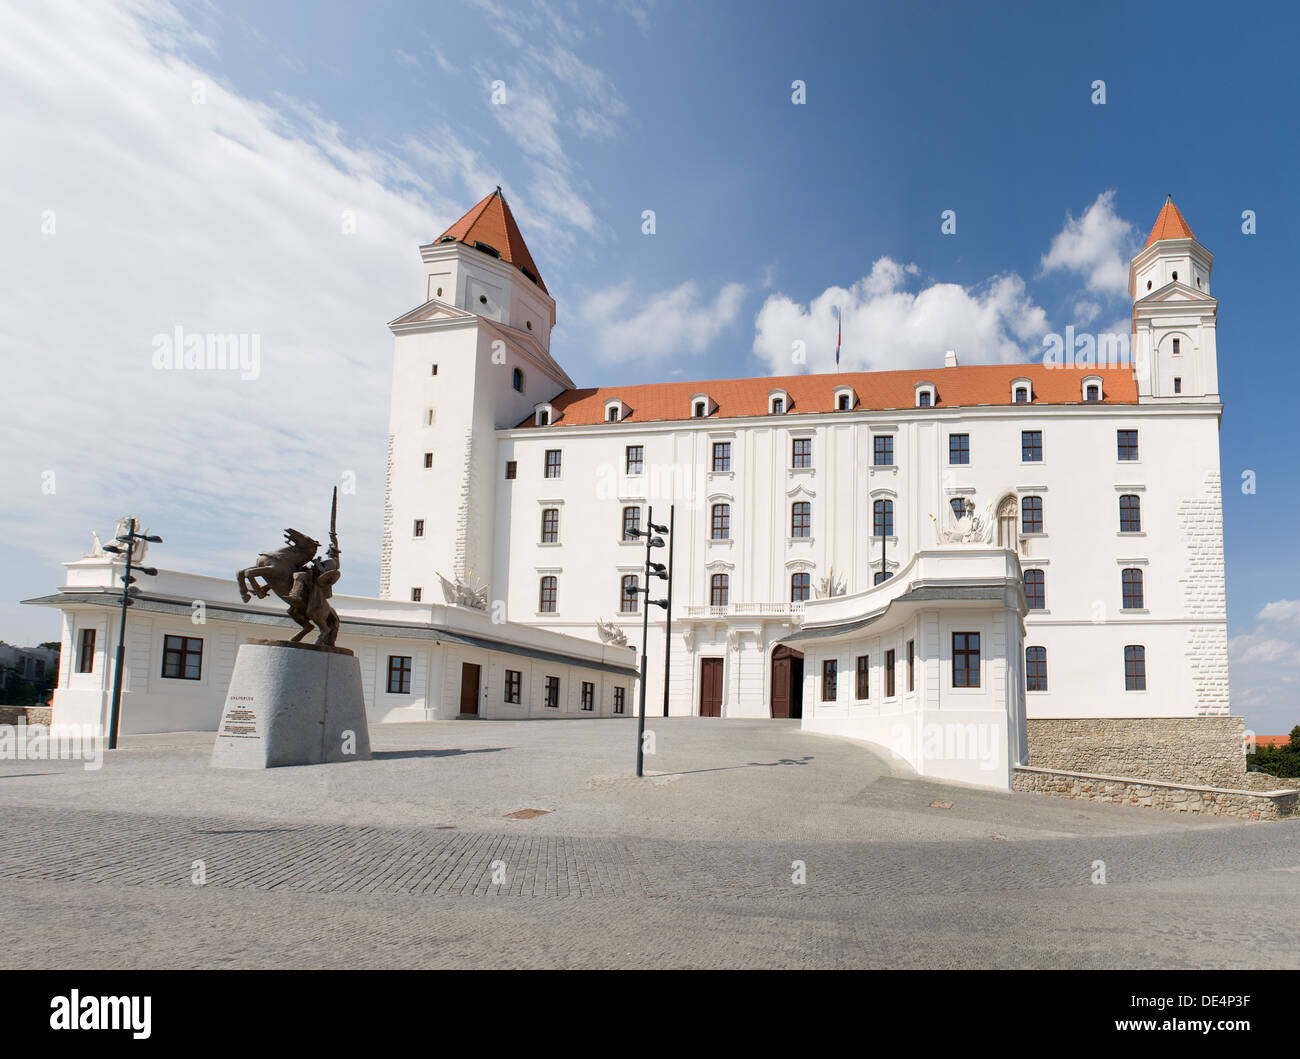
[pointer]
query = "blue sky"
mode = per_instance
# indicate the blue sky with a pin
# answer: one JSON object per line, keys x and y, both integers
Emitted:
{"x": 224, "y": 215}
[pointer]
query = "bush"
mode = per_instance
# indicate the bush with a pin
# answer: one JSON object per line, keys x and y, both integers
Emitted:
{"x": 1282, "y": 761}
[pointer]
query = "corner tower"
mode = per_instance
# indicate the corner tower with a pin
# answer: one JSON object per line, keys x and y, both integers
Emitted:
{"x": 473, "y": 357}
{"x": 1174, "y": 316}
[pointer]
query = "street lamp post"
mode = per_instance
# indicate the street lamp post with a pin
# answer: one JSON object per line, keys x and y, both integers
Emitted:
{"x": 652, "y": 569}
{"x": 668, "y": 619}
{"x": 128, "y": 540}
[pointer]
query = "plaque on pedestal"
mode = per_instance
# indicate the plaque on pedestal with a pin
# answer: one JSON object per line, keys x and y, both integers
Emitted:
{"x": 292, "y": 704}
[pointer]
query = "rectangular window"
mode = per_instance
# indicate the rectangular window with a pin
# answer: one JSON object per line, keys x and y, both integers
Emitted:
{"x": 434, "y": 368}
{"x": 182, "y": 657}
{"x": 550, "y": 525}
{"x": 1127, "y": 442}
{"x": 883, "y": 450}
{"x": 965, "y": 660}
{"x": 552, "y": 693}
{"x": 1031, "y": 446}
{"x": 1178, "y": 384}
{"x": 428, "y": 460}
{"x": 635, "y": 458}
{"x": 801, "y": 519}
{"x": 882, "y": 518}
{"x": 911, "y": 665}
{"x": 958, "y": 448}
{"x": 588, "y": 695}
{"x": 1035, "y": 668}
{"x": 416, "y": 594}
{"x": 514, "y": 686}
{"x": 830, "y": 679}
{"x": 801, "y": 452}
{"x": 631, "y": 523}
{"x": 1031, "y": 514}
{"x": 86, "y": 652}
{"x": 1036, "y": 589}
{"x": 1135, "y": 668}
{"x": 418, "y": 529}
{"x": 552, "y": 463}
{"x": 546, "y": 596}
{"x": 722, "y": 455}
{"x": 399, "y": 674}
{"x": 891, "y": 662}
{"x": 862, "y": 688}
{"x": 1177, "y": 343}
{"x": 512, "y": 469}
{"x": 720, "y": 522}
{"x": 800, "y": 588}
{"x": 620, "y": 699}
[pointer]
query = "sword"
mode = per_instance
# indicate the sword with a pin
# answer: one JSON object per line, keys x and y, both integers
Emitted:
{"x": 334, "y": 517}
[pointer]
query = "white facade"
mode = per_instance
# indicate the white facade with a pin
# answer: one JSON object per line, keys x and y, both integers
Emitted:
{"x": 514, "y": 525}
{"x": 413, "y": 656}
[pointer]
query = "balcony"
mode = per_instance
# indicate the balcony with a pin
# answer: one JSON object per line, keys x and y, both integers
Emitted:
{"x": 746, "y": 610}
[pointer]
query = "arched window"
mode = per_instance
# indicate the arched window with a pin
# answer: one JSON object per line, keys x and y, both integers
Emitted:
{"x": 778, "y": 406}
{"x": 550, "y": 525}
{"x": 720, "y": 522}
{"x": 629, "y": 598}
{"x": 1035, "y": 668}
{"x": 958, "y": 505}
{"x": 1036, "y": 589}
{"x": 1130, "y": 514}
{"x": 801, "y": 519}
{"x": 719, "y": 590}
{"x": 800, "y": 587}
{"x": 631, "y": 523}
{"x": 1007, "y": 523}
{"x": 1031, "y": 514}
{"x": 1131, "y": 582}
{"x": 546, "y": 600}
{"x": 1135, "y": 668}
{"x": 882, "y": 520}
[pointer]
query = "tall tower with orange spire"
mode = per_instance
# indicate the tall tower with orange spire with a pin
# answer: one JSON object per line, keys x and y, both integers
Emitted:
{"x": 472, "y": 358}
{"x": 1174, "y": 316}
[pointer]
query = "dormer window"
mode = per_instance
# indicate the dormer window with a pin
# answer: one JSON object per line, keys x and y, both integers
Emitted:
{"x": 614, "y": 411}
{"x": 517, "y": 380}
{"x": 1092, "y": 389}
{"x": 843, "y": 402}
{"x": 925, "y": 395}
{"x": 543, "y": 414}
{"x": 701, "y": 406}
{"x": 845, "y": 398}
{"x": 701, "y": 409}
{"x": 777, "y": 402}
{"x": 778, "y": 406}
{"x": 1022, "y": 392}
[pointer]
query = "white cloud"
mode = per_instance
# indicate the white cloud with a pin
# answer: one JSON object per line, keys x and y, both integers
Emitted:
{"x": 1096, "y": 246}
{"x": 1280, "y": 610}
{"x": 1085, "y": 312}
{"x": 670, "y": 322}
{"x": 224, "y": 216}
{"x": 886, "y": 325}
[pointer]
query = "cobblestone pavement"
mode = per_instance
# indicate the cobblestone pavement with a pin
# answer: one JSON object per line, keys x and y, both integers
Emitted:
{"x": 411, "y": 860}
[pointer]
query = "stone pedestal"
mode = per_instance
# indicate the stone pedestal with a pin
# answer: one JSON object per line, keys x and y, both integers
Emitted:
{"x": 292, "y": 704}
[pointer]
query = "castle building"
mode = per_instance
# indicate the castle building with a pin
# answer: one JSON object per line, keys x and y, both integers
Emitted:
{"x": 933, "y": 560}
{"x": 1101, "y": 480}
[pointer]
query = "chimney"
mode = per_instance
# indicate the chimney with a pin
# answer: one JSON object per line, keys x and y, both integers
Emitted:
{"x": 950, "y": 359}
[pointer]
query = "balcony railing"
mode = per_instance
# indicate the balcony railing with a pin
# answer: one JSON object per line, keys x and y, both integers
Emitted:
{"x": 739, "y": 610}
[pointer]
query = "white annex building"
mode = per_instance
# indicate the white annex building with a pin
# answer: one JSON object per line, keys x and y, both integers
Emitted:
{"x": 867, "y": 551}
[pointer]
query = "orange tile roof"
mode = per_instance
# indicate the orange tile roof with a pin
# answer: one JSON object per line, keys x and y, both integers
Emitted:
{"x": 491, "y": 222}
{"x": 961, "y": 386}
{"x": 1272, "y": 740}
{"x": 1170, "y": 224}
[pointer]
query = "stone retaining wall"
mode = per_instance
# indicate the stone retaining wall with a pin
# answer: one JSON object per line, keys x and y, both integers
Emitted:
{"x": 1262, "y": 781}
{"x": 25, "y": 715}
{"x": 1195, "y": 750}
{"x": 1186, "y": 798}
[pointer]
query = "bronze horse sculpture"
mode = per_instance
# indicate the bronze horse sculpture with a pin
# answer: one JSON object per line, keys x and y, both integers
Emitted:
{"x": 298, "y": 577}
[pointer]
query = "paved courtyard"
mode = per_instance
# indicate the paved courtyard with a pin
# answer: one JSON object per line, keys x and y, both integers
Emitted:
{"x": 412, "y": 860}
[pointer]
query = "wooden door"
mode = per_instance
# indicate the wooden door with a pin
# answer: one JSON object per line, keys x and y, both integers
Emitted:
{"x": 787, "y": 682}
{"x": 469, "y": 674}
{"x": 710, "y": 687}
